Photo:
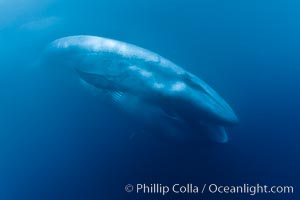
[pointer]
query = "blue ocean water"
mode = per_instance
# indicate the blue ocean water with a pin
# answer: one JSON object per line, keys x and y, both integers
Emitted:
{"x": 57, "y": 141}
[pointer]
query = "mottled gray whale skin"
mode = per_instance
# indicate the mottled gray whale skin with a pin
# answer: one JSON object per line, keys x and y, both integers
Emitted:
{"x": 151, "y": 89}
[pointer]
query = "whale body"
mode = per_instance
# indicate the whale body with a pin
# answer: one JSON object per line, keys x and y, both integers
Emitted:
{"x": 163, "y": 97}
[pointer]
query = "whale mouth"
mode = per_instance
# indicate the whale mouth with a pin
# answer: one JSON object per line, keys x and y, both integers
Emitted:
{"x": 210, "y": 102}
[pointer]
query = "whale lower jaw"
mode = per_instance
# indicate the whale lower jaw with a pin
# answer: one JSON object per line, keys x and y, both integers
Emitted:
{"x": 125, "y": 102}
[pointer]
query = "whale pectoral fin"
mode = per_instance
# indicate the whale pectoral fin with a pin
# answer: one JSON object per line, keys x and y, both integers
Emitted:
{"x": 97, "y": 80}
{"x": 217, "y": 134}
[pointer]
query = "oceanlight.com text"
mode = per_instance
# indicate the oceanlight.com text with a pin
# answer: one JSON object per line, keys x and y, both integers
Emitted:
{"x": 189, "y": 188}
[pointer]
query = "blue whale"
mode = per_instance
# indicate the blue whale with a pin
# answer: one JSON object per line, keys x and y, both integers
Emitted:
{"x": 163, "y": 97}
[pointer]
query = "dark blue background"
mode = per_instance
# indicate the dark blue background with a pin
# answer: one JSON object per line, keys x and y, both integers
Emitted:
{"x": 58, "y": 142}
